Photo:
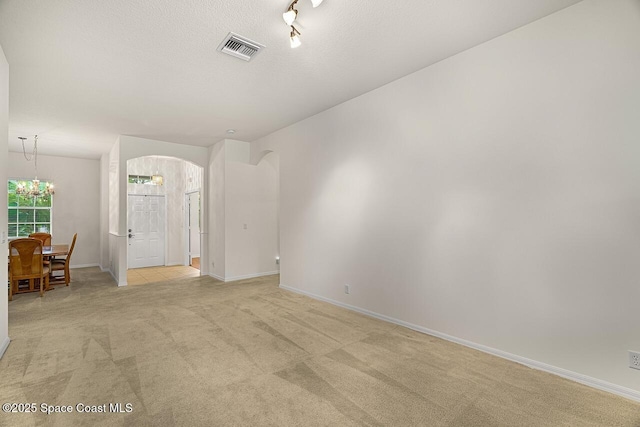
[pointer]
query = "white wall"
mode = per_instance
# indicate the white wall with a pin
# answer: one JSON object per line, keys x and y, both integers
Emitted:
{"x": 251, "y": 228}
{"x": 493, "y": 196}
{"x": 117, "y": 241}
{"x": 193, "y": 182}
{"x": 216, "y": 208}
{"x": 237, "y": 151}
{"x": 193, "y": 176}
{"x": 104, "y": 212}
{"x": 242, "y": 194}
{"x": 76, "y": 204}
{"x": 4, "y": 135}
{"x": 114, "y": 188}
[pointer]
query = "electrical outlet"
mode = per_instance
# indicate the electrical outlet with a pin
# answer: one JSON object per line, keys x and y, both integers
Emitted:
{"x": 634, "y": 359}
{"x": 347, "y": 289}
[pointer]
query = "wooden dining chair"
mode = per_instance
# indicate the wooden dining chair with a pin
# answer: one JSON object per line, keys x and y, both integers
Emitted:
{"x": 46, "y": 241}
{"x": 45, "y": 237}
{"x": 62, "y": 264}
{"x": 26, "y": 263}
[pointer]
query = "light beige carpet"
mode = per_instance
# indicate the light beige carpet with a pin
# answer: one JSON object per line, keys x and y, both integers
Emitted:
{"x": 141, "y": 276}
{"x": 198, "y": 352}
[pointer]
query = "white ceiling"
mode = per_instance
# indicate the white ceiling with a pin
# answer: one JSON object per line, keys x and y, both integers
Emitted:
{"x": 83, "y": 72}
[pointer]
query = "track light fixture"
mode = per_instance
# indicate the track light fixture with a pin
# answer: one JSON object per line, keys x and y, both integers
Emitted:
{"x": 295, "y": 40}
{"x": 290, "y": 16}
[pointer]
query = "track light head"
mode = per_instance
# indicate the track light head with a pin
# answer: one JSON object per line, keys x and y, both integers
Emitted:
{"x": 295, "y": 40}
{"x": 290, "y": 15}
{"x": 316, "y": 3}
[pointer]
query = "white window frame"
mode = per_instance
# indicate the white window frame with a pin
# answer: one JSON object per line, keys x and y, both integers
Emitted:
{"x": 35, "y": 224}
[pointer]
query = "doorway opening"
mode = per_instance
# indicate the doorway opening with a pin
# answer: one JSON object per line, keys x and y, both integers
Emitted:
{"x": 158, "y": 213}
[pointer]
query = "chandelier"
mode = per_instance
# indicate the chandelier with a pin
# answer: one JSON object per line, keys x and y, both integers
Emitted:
{"x": 33, "y": 188}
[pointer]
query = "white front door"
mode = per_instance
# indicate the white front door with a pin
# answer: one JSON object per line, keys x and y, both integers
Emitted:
{"x": 146, "y": 221}
{"x": 194, "y": 225}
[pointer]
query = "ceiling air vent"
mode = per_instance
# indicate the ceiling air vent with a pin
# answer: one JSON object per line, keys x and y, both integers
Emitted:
{"x": 240, "y": 47}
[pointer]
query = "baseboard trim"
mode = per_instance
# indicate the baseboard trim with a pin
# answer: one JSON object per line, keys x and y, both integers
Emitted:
{"x": 174, "y": 264}
{"x": 71, "y": 267}
{"x": 248, "y": 276}
{"x": 251, "y": 276}
{"x": 534, "y": 364}
{"x": 4, "y": 346}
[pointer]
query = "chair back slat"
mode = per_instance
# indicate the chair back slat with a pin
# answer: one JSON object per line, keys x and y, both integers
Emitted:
{"x": 73, "y": 244}
{"x": 44, "y": 237}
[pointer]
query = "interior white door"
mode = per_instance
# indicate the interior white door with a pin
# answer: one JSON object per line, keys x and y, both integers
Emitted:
{"x": 146, "y": 219}
{"x": 194, "y": 225}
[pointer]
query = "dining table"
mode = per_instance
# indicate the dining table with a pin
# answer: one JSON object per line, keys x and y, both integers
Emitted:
{"x": 55, "y": 250}
{"x": 49, "y": 252}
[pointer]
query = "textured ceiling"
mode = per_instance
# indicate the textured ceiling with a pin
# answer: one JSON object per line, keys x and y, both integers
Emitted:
{"x": 85, "y": 71}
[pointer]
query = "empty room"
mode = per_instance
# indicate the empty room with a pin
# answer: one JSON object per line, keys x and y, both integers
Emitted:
{"x": 320, "y": 212}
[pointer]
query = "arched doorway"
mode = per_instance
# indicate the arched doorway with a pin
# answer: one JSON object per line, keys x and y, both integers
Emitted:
{"x": 163, "y": 211}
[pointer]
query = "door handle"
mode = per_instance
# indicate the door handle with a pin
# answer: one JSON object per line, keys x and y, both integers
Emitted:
{"x": 131, "y": 235}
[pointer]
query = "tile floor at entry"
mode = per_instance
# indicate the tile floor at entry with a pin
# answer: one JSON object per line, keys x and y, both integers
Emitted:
{"x": 141, "y": 276}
